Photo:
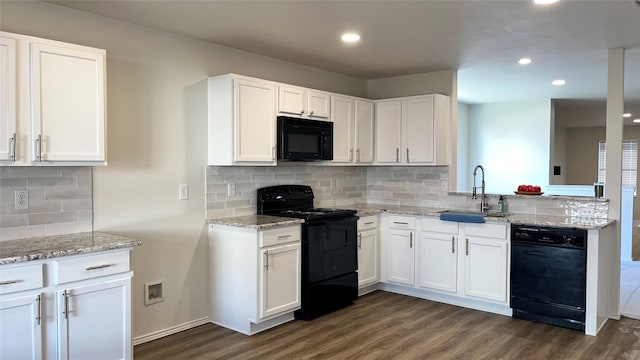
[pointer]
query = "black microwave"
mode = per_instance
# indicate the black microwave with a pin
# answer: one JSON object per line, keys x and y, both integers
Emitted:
{"x": 304, "y": 139}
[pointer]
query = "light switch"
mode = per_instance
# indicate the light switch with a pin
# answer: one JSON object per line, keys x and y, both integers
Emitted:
{"x": 183, "y": 192}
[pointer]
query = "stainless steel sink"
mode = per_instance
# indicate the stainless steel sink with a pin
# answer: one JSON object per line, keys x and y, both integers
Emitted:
{"x": 471, "y": 212}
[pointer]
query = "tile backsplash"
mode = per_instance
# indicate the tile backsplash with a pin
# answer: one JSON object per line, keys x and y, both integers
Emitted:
{"x": 59, "y": 199}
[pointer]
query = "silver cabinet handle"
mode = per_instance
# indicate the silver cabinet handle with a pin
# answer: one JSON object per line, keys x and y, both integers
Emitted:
{"x": 12, "y": 147}
{"x": 407, "y": 154}
{"x": 266, "y": 259}
{"x": 39, "y": 148}
{"x": 369, "y": 223}
{"x": 410, "y": 240}
{"x": 360, "y": 241}
{"x": 9, "y": 282}
{"x": 98, "y": 267}
{"x": 38, "y": 310}
{"x": 397, "y": 154}
{"x": 358, "y": 155}
{"x": 351, "y": 154}
{"x": 273, "y": 153}
{"x": 400, "y": 223}
{"x": 453, "y": 244}
{"x": 311, "y": 113}
{"x": 283, "y": 236}
{"x": 467, "y": 246}
{"x": 65, "y": 295}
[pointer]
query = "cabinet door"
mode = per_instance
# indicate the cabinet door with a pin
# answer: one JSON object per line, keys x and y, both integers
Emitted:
{"x": 486, "y": 268}
{"x": 367, "y": 258}
{"x": 318, "y": 104}
{"x": 279, "y": 279}
{"x": 20, "y": 327}
{"x": 418, "y": 130}
{"x": 7, "y": 98}
{"x": 254, "y": 121}
{"x": 401, "y": 257}
{"x": 388, "y": 131}
{"x": 95, "y": 321}
{"x": 68, "y": 103}
{"x": 438, "y": 261}
{"x": 343, "y": 128}
{"x": 290, "y": 100}
{"x": 364, "y": 131}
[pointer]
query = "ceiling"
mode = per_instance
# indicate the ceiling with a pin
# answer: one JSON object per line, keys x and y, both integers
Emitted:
{"x": 481, "y": 39}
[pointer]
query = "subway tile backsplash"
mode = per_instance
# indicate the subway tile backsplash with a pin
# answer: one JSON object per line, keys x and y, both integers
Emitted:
{"x": 60, "y": 201}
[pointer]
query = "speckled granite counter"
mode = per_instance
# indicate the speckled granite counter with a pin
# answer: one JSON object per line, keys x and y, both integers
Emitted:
{"x": 255, "y": 221}
{"x": 20, "y": 250}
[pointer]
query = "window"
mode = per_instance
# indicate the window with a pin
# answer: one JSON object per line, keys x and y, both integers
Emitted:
{"x": 629, "y": 162}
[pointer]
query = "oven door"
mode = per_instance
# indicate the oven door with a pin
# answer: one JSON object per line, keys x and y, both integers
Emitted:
{"x": 332, "y": 248}
{"x": 548, "y": 274}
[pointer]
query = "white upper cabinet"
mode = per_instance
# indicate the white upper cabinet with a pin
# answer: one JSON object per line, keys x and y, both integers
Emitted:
{"x": 364, "y": 118}
{"x": 68, "y": 99}
{"x": 53, "y": 98}
{"x": 342, "y": 115}
{"x": 7, "y": 98}
{"x": 305, "y": 103}
{"x": 388, "y": 131}
{"x": 291, "y": 100}
{"x": 242, "y": 124}
{"x": 413, "y": 130}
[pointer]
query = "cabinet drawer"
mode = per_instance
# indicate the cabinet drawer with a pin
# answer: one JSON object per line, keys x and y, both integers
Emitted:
{"x": 402, "y": 222}
{"x": 437, "y": 225}
{"x": 93, "y": 266}
{"x": 368, "y": 222}
{"x": 20, "y": 278}
{"x": 497, "y": 231}
{"x": 279, "y": 236}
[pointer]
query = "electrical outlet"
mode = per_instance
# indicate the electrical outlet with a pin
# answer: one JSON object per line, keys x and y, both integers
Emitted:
{"x": 183, "y": 192}
{"x": 22, "y": 200}
{"x": 231, "y": 189}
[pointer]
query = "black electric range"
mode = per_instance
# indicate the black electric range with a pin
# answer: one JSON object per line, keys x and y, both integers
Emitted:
{"x": 329, "y": 248}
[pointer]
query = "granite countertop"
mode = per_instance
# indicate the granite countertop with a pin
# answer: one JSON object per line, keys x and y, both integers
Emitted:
{"x": 266, "y": 221}
{"x": 255, "y": 221}
{"x": 21, "y": 250}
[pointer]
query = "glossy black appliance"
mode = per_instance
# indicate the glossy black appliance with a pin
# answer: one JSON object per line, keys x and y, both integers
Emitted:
{"x": 304, "y": 139}
{"x": 329, "y": 249}
{"x": 549, "y": 275}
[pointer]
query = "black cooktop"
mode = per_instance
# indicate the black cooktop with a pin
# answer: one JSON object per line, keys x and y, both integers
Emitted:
{"x": 295, "y": 201}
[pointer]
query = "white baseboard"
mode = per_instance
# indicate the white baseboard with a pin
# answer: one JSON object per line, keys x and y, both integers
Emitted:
{"x": 170, "y": 331}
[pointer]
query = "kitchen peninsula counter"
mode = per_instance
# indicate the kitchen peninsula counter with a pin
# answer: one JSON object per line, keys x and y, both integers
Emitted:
{"x": 47, "y": 247}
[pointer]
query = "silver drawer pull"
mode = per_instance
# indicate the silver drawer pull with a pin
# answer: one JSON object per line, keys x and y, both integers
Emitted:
{"x": 98, "y": 267}
{"x": 9, "y": 282}
{"x": 284, "y": 236}
{"x": 401, "y": 223}
{"x": 369, "y": 223}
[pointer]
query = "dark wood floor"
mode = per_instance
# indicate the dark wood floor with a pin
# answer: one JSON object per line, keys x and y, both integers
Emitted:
{"x": 383, "y": 325}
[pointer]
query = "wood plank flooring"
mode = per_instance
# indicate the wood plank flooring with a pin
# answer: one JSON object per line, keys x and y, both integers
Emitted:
{"x": 383, "y": 325}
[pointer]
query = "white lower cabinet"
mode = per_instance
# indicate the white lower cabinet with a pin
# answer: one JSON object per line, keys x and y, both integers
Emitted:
{"x": 255, "y": 276}
{"x": 20, "y": 327}
{"x": 95, "y": 320}
{"x": 368, "y": 251}
{"x": 72, "y": 308}
{"x": 460, "y": 263}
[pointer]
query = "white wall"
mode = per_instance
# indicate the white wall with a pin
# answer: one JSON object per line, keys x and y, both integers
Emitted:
{"x": 156, "y": 114}
{"x": 511, "y": 142}
{"x": 463, "y": 181}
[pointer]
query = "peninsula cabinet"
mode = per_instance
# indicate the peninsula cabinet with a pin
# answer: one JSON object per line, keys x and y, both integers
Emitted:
{"x": 242, "y": 124}
{"x": 305, "y": 103}
{"x": 58, "y": 308}
{"x": 255, "y": 276}
{"x": 53, "y": 102}
{"x": 412, "y": 131}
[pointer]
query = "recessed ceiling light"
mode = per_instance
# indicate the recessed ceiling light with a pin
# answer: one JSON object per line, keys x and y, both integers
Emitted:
{"x": 636, "y": 121}
{"x": 524, "y": 61}
{"x": 558, "y": 82}
{"x": 544, "y": 2}
{"x": 350, "y": 37}
{"x": 626, "y": 115}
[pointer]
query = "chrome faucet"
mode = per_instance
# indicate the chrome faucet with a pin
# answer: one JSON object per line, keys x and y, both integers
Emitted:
{"x": 484, "y": 205}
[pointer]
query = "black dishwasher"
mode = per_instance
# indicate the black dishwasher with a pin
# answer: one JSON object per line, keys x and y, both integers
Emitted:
{"x": 549, "y": 275}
